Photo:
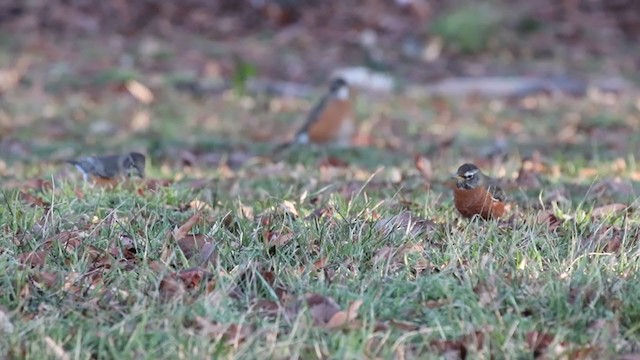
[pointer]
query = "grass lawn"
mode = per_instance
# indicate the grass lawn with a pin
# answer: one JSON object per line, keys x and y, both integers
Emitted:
{"x": 227, "y": 252}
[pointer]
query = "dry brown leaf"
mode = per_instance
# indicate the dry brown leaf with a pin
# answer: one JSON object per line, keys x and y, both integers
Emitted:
{"x": 233, "y": 334}
{"x": 68, "y": 240}
{"x": 406, "y": 222}
{"x": 486, "y": 291}
{"x": 153, "y": 185}
{"x": 192, "y": 278}
{"x": 199, "y": 205}
{"x": 139, "y": 91}
{"x": 30, "y": 184}
{"x": 289, "y": 208}
{"x": 32, "y": 200}
{"x": 277, "y": 239}
{"x": 424, "y": 166}
{"x": 141, "y": 121}
{"x": 529, "y": 173}
{"x": 47, "y": 279}
{"x": 267, "y": 307}
{"x": 539, "y": 342}
{"x": 607, "y": 210}
{"x": 319, "y": 213}
{"x": 34, "y": 258}
{"x": 171, "y": 287}
{"x": 343, "y": 318}
{"x": 450, "y": 349}
{"x": 332, "y": 161}
{"x": 320, "y": 264}
{"x": 191, "y": 244}
{"x": 547, "y": 217}
{"x": 327, "y": 314}
{"x": 183, "y": 230}
{"x": 6, "y": 327}
{"x": 56, "y": 349}
{"x": 197, "y": 247}
{"x": 322, "y": 308}
{"x": 404, "y": 325}
{"x": 123, "y": 248}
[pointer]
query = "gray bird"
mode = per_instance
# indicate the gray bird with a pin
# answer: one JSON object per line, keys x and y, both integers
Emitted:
{"x": 111, "y": 166}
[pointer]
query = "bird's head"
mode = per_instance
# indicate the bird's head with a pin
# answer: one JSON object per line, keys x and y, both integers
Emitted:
{"x": 134, "y": 164}
{"x": 339, "y": 88}
{"x": 468, "y": 176}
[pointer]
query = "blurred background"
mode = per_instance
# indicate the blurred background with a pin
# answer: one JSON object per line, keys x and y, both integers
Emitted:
{"x": 108, "y": 74}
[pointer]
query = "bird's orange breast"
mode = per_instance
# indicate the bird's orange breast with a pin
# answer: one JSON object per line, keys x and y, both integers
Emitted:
{"x": 105, "y": 182}
{"x": 331, "y": 122}
{"x": 478, "y": 201}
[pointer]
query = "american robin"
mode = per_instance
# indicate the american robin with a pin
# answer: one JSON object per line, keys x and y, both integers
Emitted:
{"x": 331, "y": 120}
{"x": 478, "y": 194}
{"x": 107, "y": 169}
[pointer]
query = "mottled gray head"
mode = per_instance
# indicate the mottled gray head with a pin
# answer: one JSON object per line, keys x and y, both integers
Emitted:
{"x": 339, "y": 88}
{"x": 468, "y": 176}
{"x": 134, "y": 164}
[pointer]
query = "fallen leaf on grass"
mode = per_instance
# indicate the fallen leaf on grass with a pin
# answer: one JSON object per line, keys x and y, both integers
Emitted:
{"x": 124, "y": 248}
{"x": 199, "y": 205}
{"x": 139, "y": 91}
{"x": 56, "y": 349}
{"x": 267, "y": 307}
{"x": 547, "y": 217}
{"x": 605, "y": 238}
{"x": 404, "y": 325}
{"x": 31, "y": 184}
{"x": 183, "y": 230}
{"x": 68, "y": 240}
{"x": 319, "y": 213}
{"x": 278, "y": 239}
{"x": 197, "y": 247}
{"x": 332, "y": 161}
{"x": 191, "y": 244}
{"x": 487, "y": 291}
{"x": 32, "y": 200}
{"x": 612, "y": 189}
{"x": 34, "y": 258}
{"x": 459, "y": 348}
{"x": 6, "y": 327}
{"x": 170, "y": 287}
{"x": 47, "y": 279}
{"x": 538, "y": 342}
{"x": 424, "y": 167}
{"x": 343, "y": 318}
{"x": 610, "y": 209}
{"x": 178, "y": 283}
{"x": 233, "y": 334}
{"x": 406, "y": 222}
{"x": 288, "y": 208}
{"x": 153, "y": 185}
{"x": 529, "y": 173}
{"x": 326, "y": 312}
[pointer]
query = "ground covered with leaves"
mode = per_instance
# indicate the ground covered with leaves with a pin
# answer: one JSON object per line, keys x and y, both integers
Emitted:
{"x": 226, "y": 250}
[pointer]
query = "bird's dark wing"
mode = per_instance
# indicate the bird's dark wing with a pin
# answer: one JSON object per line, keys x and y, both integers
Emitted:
{"x": 497, "y": 192}
{"x": 83, "y": 164}
{"x": 106, "y": 167}
{"x": 314, "y": 115}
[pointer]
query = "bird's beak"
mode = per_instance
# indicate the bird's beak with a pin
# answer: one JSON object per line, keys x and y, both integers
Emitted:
{"x": 455, "y": 176}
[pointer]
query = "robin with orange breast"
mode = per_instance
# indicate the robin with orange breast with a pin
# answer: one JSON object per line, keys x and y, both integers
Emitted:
{"x": 331, "y": 121}
{"x": 478, "y": 194}
{"x": 110, "y": 169}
